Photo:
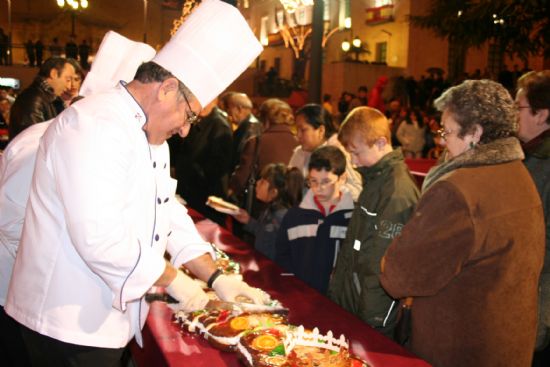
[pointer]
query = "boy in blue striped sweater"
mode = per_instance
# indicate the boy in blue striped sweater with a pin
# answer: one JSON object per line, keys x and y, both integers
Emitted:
{"x": 309, "y": 236}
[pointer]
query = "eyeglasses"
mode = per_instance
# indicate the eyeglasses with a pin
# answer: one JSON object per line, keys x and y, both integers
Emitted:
{"x": 313, "y": 184}
{"x": 445, "y": 132}
{"x": 192, "y": 117}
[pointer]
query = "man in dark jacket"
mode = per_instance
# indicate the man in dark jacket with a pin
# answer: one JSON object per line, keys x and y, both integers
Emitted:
{"x": 239, "y": 110}
{"x": 29, "y": 48}
{"x": 533, "y": 103}
{"x": 71, "y": 49}
{"x": 203, "y": 161}
{"x": 83, "y": 53}
{"x": 39, "y": 50}
{"x": 35, "y": 104}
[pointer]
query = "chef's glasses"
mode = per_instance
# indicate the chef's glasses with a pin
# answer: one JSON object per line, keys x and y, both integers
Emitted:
{"x": 192, "y": 117}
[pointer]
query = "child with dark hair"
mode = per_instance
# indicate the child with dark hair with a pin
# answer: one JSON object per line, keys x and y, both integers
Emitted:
{"x": 281, "y": 188}
{"x": 309, "y": 237}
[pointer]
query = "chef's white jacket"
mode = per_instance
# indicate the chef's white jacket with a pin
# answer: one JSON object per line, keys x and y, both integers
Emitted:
{"x": 16, "y": 167}
{"x": 101, "y": 213}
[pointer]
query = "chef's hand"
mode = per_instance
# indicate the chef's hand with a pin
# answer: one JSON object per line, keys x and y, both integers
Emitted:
{"x": 228, "y": 287}
{"x": 189, "y": 293}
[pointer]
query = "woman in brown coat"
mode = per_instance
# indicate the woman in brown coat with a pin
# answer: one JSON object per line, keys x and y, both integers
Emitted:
{"x": 472, "y": 253}
{"x": 275, "y": 144}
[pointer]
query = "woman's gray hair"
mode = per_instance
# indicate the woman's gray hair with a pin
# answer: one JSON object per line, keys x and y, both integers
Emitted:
{"x": 481, "y": 102}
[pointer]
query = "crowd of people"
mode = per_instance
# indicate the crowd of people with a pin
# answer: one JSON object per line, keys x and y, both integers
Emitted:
{"x": 35, "y": 51}
{"x": 355, "y": 226}
{"x": 326, "y": 195}
{"x": 103, "y": 199}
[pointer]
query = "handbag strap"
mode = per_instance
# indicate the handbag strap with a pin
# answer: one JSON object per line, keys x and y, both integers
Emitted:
{"x": 254, "y": 168}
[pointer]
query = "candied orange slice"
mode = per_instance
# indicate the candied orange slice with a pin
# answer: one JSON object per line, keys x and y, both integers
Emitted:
{"x": 265, "y": 342}
{"x": 239, "y": 323}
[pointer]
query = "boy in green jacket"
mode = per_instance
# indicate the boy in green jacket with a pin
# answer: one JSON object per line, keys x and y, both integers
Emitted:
{"x": 385, "y": 204}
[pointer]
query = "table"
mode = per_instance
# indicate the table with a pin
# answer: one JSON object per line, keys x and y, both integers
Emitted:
{"x": 419, "y": 167}
{"x": 3, "y": 137}
{"x": 166, "y": 345}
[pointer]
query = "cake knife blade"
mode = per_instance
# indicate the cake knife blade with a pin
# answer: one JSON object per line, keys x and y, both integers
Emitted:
{"x": 211, "y": 305}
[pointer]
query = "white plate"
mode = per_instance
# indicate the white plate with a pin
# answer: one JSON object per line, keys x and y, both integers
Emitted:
{"x": 222, "y": 209}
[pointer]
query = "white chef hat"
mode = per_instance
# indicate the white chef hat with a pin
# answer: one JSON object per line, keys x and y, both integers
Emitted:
{"x": 117, "y": 59}
{"x": 212, "y": 47}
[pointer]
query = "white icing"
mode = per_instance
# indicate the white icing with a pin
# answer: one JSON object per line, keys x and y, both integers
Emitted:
{"x": 245, "y": 353}
{"x": 313, "y": 339}
{"x": 226, "y": 340}
{"x": 192, "y": 326}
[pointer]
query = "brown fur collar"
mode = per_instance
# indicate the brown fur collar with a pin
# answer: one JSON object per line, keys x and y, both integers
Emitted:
{"x": 498, "y": 151}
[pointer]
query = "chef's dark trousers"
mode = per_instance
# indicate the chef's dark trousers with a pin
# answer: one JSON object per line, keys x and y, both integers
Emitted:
{"x": 47, "y": 352}
{"x": 12, "y": 347}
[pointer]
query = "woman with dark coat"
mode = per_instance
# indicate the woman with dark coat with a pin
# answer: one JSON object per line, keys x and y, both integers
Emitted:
{"x": 472, "y": 253}
{"x": 275, "y": 144}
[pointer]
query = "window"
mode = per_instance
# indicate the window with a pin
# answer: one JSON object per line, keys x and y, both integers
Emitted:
{"x": 381, "y": 52}
{"x": 264, "y": 31}
{"x": 379, "y": 3}
{"x": 277, "y": 63}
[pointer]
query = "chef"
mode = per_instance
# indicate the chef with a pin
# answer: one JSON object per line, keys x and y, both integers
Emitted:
{"x": 117, "y": 59}
{"x": 101, "y": 209}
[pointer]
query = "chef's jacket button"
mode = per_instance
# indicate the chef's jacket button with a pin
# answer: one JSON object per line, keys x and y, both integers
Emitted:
{"x": 154, "y": 164}
{"x": 159, "y": 201}
{"x": 169, "y": 233}
{"x": 165, "y": 200}
{"x": 164, "y": 165}
{"x": 157, "y": 237}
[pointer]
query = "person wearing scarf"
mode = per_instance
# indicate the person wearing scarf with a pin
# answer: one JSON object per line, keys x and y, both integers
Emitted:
{"x": 471, "y": 255}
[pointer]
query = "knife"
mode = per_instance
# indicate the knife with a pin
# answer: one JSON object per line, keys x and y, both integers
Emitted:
{"x": 162, "y": 297}
{"x": 211, "y": 305}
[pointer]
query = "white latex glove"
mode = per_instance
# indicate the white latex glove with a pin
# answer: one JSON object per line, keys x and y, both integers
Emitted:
{"x": 190, "y": 295}
{"x": 228, "y": 287}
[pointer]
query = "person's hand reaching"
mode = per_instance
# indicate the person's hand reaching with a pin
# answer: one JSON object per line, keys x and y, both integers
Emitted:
{"x": 242, "y": 216}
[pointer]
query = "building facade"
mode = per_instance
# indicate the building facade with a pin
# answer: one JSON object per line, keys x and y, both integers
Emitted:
{"x": 376, "y": 35}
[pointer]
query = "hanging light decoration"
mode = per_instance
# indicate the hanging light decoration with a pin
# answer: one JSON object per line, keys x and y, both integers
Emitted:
{"x": 292, "y": 5}
{"x": 75, "y": 4}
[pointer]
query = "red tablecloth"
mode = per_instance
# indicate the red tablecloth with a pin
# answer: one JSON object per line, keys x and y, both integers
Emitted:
{"x": 166, "y": 345}
{"x": 419, "y": 167}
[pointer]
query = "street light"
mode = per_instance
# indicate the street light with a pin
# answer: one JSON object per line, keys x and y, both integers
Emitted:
{"x": 145, "y": 21}
{"x": 347, "y": 23}
{"x": 346, "y": 46}
{"x": 73, "y": 6}
{"x": 9, "y": 50}
{"x": 356, "y": 46}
